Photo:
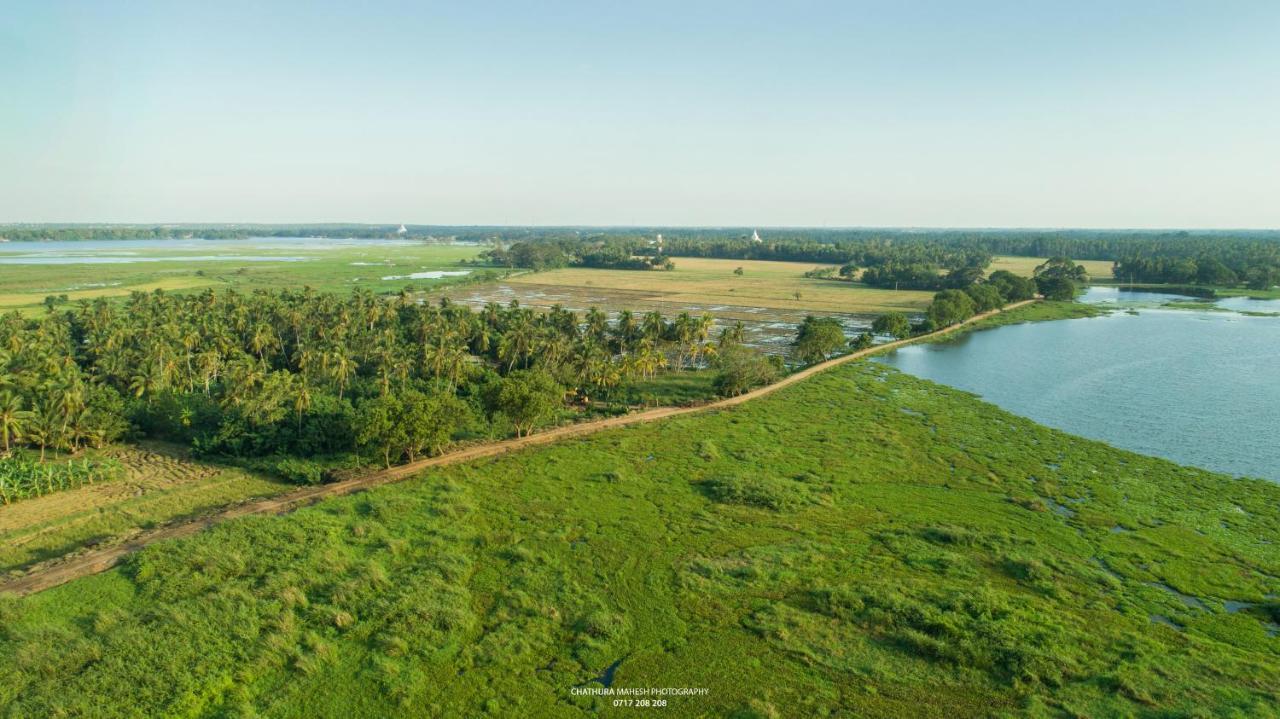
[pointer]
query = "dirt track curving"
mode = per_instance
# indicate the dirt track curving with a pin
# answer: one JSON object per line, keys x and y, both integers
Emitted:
{"x": 63, "y": 570}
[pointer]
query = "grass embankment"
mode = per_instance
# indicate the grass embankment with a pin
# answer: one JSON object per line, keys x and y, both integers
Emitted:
{"x": 1040, "y": 311}
{"x": 861, "y": 543}
{"x": 1208, "y": 291}
{"x": 708, "y": 282}
{"x": 1271, "y": 294}
{"x": 1210, "y": 306}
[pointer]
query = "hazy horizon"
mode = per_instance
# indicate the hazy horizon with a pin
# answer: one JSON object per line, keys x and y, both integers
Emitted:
{"x": 664, "y": 226}
{"x": 988, "y": 115}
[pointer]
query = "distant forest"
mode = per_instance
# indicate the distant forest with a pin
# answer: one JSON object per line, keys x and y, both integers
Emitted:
{"x": 902, "y": 257}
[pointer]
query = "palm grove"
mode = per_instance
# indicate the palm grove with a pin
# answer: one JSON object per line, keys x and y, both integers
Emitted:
{"x": 300, "y": 374}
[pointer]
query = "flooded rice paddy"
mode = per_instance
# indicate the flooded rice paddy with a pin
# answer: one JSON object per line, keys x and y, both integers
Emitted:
{"x": 770, "y": 329}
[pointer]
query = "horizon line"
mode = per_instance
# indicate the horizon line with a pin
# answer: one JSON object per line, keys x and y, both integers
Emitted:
{"x": 936, "y": 228}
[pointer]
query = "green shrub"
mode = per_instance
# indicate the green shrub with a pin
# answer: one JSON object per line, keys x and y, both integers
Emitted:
{"x": 299, "y": 471}
{"x": 980, "y": 629}
{"x": 775, "y": 494}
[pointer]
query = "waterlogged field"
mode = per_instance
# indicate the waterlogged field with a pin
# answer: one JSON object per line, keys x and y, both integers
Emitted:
{"x": 861, "y": 544}
{"x": 769, "y": 298}
{"x": 31, "y": 271}
{"x": 1026, "y": 266}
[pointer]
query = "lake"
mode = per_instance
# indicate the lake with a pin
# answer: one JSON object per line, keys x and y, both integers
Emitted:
{"x": 1201, "y": 388}
{"x": 115, "y": 252}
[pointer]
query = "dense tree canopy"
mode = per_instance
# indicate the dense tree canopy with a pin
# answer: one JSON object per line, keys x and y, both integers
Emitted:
{"x": 1013, "y": 288}
{"x": 818, "y": 338}
{"x": 894, "y": 324}
{"x": 985, "y": 297}
{"x": 742, "y": 369}
{"x": 951, "y": 307}
{"x": 1056, "y": 287}
{"x": 529, "y": 398}
{"x": 309, "y": 374}
{"x": 613, "y": 254}
{"x": 1061, "y": 267}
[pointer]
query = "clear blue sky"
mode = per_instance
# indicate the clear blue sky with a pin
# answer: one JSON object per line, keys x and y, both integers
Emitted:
{"x": 1121, "y": 113}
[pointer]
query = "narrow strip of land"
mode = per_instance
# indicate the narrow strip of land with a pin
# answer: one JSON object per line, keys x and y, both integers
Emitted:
{"x": 59, "y": 571}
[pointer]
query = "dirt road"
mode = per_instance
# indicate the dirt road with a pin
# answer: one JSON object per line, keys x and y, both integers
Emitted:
{"x": 59, "y": 571}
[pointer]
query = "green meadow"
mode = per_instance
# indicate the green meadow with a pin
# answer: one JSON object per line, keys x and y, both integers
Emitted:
{"x": 862, "y": 544}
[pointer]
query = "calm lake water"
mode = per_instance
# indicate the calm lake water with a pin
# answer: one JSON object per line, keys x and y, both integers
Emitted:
{"x": 1199, "y": 388}
{"x": 114, "y": 252}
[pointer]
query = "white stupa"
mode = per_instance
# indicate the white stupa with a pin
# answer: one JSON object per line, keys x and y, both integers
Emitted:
{"x": 755, "y": 236}
{"x": 402, "y": 230}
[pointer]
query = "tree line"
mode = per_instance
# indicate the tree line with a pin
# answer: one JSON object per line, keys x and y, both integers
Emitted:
{"x": 614, "y": 254}
{"x": 951, "y": 259}
{"x": 903, "y": 258}
{"x": 1057, "y": 278}
{"x": 1054, "y": 279}
{"x": 1204, "y": 270}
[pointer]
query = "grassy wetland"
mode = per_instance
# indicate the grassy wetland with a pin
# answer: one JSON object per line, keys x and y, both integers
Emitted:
{"x": 917, "y": 552}
{"x": 301, "y": 419}
{"x": 858, "y": 543}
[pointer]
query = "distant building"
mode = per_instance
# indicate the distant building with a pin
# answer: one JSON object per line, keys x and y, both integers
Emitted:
{"x": 402, "y": 230}
{"x": 755, "y": 236}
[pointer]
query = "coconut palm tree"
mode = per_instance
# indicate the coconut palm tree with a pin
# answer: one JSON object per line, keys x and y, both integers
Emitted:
{"x": 516, "y": 344}
{"x": 627, "y": 331}
{"x": 597, "y": 325}
{"x": 43, "y": 429}
{"x": 13, "y": 418}
{"x": 342, "y": 368}
{"x": 654, "y": 328}
{"x": 733, "y": 335}
{"x": 301, "y": 400}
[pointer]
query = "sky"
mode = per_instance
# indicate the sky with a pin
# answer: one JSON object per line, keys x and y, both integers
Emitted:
{"x": 894, "y": 113}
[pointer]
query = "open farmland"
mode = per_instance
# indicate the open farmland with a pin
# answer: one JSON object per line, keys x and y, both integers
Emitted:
{"x": 769, "y": 298}
{"x": 31, "y": 271}
{"x": 1026, "y": 266}
{"x": 161, "y": 483}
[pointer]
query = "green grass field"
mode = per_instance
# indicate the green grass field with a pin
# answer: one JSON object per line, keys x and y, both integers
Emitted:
{"x": 708, "y": 282}
{"x": 861, "y": 544}
{"x": 341, "y": 269}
